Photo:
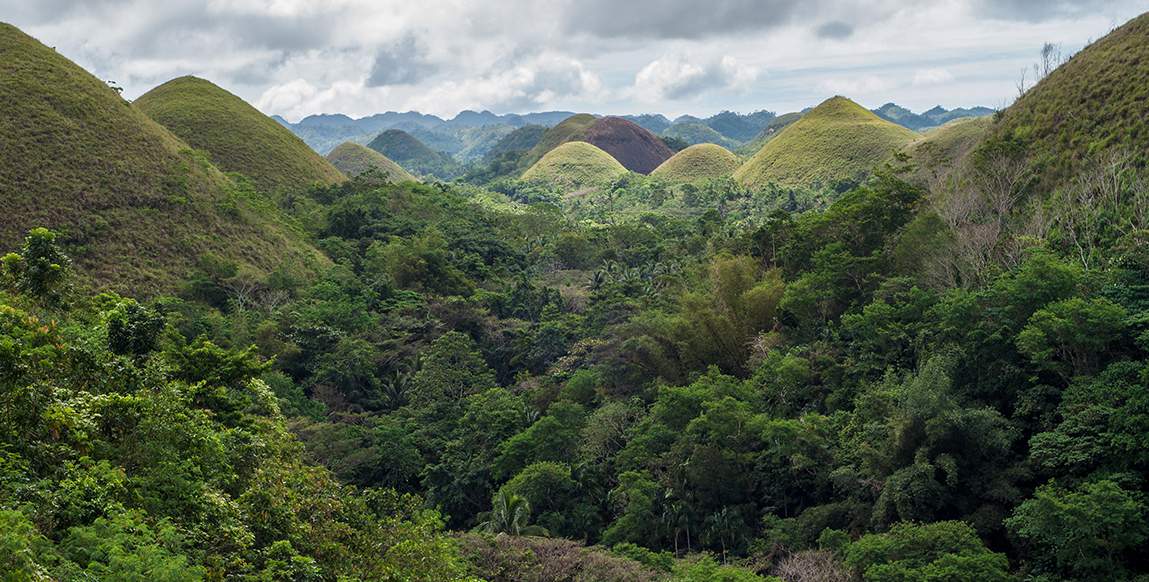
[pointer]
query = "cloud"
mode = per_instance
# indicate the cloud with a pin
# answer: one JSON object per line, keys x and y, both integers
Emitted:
{"x": 1037, "y": 10}
{"x": 836, "y": 30}
{"x": 927, "y": 77}
{"x": 678, "y": 77}
{"x": 402, "y": 63}
{"x": 857, "y": 85}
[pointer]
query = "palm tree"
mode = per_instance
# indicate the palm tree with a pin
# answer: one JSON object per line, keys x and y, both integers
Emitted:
{"x": 510, "y": 514}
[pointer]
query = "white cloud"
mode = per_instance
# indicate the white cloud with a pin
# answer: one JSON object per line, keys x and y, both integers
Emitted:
{"x": 927, "y": 77}
{"x": 678, "y": 77}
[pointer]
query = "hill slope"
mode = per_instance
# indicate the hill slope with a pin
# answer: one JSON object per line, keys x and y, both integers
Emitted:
{"x": 237, "y": 136}
{"x": 575, "y": 164}
{"x": 353, "y": 159}
{"x": 1099, "y": 100}
{"x": 137, "y": 207}
{"x": 698, "y": 163}
{"x": 945, "y": 147}
{"x": 414, "y": 155}
{"x": 836, "y": 143}
{"x": 635, "y": 148}
{"x": 570, "y": 129}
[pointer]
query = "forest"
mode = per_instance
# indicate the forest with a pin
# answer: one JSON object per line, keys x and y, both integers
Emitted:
{"x": 936, "y": 370}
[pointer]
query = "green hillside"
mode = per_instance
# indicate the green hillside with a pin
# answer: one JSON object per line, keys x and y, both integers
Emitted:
{"x": 138, "y": 208}
{"x": 695, "y": 133}
{"x": 568, "y": 130}
{"x": 769, "y": 132}
{"x": 943, "y": 147}
{"x": 520, "y": 140}
{"x": 407, "y": 151}
{"x": 237, "y": 136}
{"x": 575, "y": 164}
{"x": 698, "y": 163}
{"x": 836, "y": 143}
{"x": 1098, "y": 100}
{"x": 353, "y": 160}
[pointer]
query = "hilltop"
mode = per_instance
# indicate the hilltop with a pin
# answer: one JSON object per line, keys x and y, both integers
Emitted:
{"x": 699, "y": 163}
{"x": 574, "y": 165}
{"x": 1098, "y": 100}
{"x": 354, "y": 160}
{"x": 414, "y": 155}
{"x": 570, "y": 129}
{"x": 236, "y": 136}
{"x": 635, "y": 148}
{"x": 837, "y": 143}
{"x": 137, "y": 207}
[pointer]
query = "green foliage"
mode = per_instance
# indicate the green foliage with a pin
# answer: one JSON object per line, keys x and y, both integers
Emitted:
{"x": 1068, "y": 336}
{"x": 704, "y": 568}
{"x": 510, "y": 514}
{"x": 40, "y": 269}
{"x": 1081, "y": 533}
{"x": 945, "y": 550}
{"x": 133, "y": 329}
{"x": 450, "y": 370}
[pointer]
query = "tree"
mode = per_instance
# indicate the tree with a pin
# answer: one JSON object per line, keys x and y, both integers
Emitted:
{"x": 1070, "y": 337}
{"x": 133, "y": 329}
{"x": 450, "y": 369}
{"x": 948, "y": 551}
{"x": 510, "y": 514}
{"x": 1085, "y": 532}
{"x": 40, "y": 269}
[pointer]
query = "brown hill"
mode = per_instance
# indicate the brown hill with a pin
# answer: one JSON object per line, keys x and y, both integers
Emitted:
{"x": 635, "y": 148}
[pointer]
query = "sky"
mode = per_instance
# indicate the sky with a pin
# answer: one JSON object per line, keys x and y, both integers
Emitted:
{"x": 358, "y": 57}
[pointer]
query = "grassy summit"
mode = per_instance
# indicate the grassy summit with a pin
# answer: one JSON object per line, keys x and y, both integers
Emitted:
{"x": 575, "y": 164}
{"x": 407, "y": 151}
{"x": 237, "y": 136}
{"x": 354, "y": 159}
{"x": 570, "y": 129}
{"x": 836, "y": 143}
{"x": 137, "y": 207}
{"x": 1098, "y": 100}
{"x": 699, "y": 162}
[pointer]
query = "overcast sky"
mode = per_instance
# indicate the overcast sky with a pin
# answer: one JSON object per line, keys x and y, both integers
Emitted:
{"x": 299, "y": 57}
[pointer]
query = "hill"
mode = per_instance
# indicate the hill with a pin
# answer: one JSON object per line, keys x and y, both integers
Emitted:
{"x": 935, "y": 117}
{"x": 575, "y": 165}
{"x": 353, "y": 160}
{"x": 1098, "y": 100}
{"x": 137, "y": 207}
{"x": 835, "y": 144}
{"x": 406, "y": 150}
{"x": 945, "y": 147}
{"x": 698, "y": 163}
{"x": 635, "y": 148}
{"x": 697, "y": 132}
{"x": 769, "y": 132}
{"x": 570, "y": 129}
{"x": 520, "y": 140}
{"x": 236, "y": 136}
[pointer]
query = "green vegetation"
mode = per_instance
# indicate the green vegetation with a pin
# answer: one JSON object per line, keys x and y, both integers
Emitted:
{"x": 835, "y": 145}
{"x": 769, "y": 132}
{"x": 574, "y": 165}
{"x": 698, "y": 133}
{"x": 136, "y": 207}
{"x": 236, "y": 136}
{"x": 938, "y": 373}
{"x": 698, "y": 163}
{"x": 359, "y": 161}
{"x": 413, "y": 155}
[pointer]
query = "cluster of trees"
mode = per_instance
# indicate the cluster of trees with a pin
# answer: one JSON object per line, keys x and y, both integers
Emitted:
{"x": 706, "y": 395}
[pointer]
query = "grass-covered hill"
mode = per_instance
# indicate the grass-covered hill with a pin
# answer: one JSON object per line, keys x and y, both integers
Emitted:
{"x": 1099, "y": 100}
{"x": 838, "y": 142}
{"x": 136, "y": 206}
{"x": 696, "y": 132}
{"x": 414, "y": 155}
{"x": 698, "y": 163}
{"x": 520, "y": 140}
{"x": 237, "y": 136}
{"x": 944, "y": 147}
{"x": 354, "y": 160}
{"x": 570, "y": 129}
{"x": 574, "y": 165}
{"x": 635, "y": 148}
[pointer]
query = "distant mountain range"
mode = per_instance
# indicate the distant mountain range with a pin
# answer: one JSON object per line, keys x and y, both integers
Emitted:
{"x": 471, "y": 135}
